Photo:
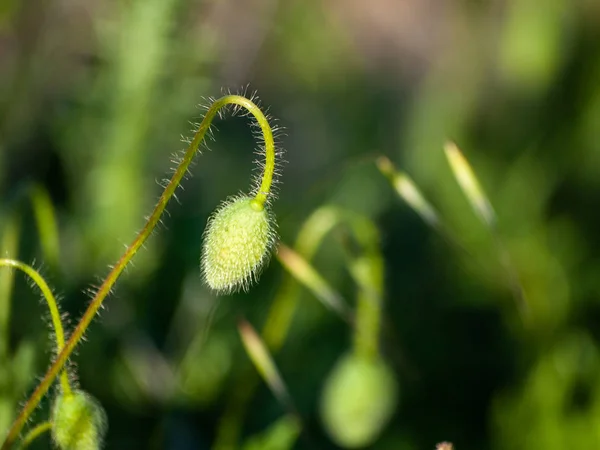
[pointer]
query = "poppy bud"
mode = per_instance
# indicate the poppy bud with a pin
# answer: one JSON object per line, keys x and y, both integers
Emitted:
{"x": 237, "y": 244}
{"x": 78, "y": 422}
{"x": 359, "y": 398}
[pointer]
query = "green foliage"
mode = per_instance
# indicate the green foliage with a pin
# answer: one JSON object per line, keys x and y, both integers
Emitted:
{"x": 492, "y": 339}
{"x": 559, "y": 400}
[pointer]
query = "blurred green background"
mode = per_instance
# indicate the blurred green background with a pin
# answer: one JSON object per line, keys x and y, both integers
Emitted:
{"x": 94, "y": 96}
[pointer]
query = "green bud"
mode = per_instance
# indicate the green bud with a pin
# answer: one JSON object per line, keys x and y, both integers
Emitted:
{"x": 237, "y": 244}
{"x": 359, "y": 399}
{"x": 78, "y": 422}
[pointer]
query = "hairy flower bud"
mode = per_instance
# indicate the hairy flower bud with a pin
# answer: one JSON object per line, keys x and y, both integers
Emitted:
{"x": 78, "y": 422}
{"x": 237, "y": 244}
{"x": 359, "y": 398}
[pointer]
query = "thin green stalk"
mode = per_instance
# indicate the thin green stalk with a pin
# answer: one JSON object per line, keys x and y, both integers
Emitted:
{"x": 34, "y": 433}
{"x": 264, "y": 364}
{"x": 45, "y": 218}
{"x": 367, "y": 270}
{"x": 52, "y": 306}
{"x": 8, "y": 246}
{"x": 366, "y": 265}
{"x": 366, "y": 337}
{"x": 109, "y": 282}
{"x": 482, "y": 206}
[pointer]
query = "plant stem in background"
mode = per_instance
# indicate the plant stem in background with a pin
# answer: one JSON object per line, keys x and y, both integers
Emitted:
{"x": 308, "y": 276}
{"x": 52, "y": 306}
{"x": 8, "y": 246}
{"x": 367, "y": 269}
{"x": 481, "y": 205}
{"x": 263, "y": 362}
{"x": 109, "y": 282}
{"x": 34, "y": 433}
{"x": 408, "y": 191}
{"x": 45, "y": 219}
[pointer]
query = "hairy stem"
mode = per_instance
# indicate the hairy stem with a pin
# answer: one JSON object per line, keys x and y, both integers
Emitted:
{"x": 110, "y": 280}
{"x": 52, "y": 306}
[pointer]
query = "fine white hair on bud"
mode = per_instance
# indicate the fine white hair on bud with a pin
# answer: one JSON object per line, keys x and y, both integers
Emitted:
{"x": 238, "y": 240}
{"x": 78, "y": 422}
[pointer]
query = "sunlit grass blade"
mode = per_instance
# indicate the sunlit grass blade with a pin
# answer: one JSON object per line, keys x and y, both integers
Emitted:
{"x": 308, "y": 276}
{"x": 262, "y": 360}
{"x": 469, "y": 184}
{"x": 409, "y": 192}
{"x": 482, "y": 206}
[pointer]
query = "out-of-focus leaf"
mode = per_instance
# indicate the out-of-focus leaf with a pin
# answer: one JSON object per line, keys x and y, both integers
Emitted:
{"x": 281, "y": 435}
{"x": 262, "y": 360}
{"x": 23, "y": 366}
{"x": 300, "y": 269}
{"x": 470, "y": 184}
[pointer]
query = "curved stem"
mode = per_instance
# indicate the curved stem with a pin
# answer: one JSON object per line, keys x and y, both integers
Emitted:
{"x": 267, "y": 178}
{"x": 368, "y": 272}
{"x": 52, "y": 306}
{"x": 45, "y": 218}
{"x": 110, "y": 280}
{"x": 34, "y": 433}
